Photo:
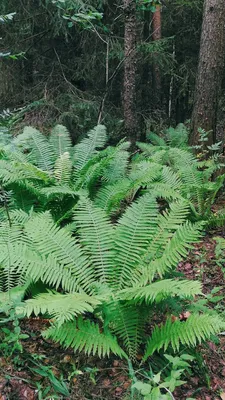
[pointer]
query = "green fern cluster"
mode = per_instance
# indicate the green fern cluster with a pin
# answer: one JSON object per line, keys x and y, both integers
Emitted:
{"x": 105, "y": 281}
{"x": 46, "y": 173}
{"x": 171, "y": 173}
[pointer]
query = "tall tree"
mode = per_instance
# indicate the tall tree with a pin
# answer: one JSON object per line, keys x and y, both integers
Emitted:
{"x": 157, "y": 35}
{"x": 210, "y": 69}
{"x": 130, "y": 65}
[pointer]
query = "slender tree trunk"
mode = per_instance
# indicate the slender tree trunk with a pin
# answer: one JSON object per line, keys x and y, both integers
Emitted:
{"x": 157, "y": 35}
{"x": 130, "y": 64}
{"x": 210, "y": 69}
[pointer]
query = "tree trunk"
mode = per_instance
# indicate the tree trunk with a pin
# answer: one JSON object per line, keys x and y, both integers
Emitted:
{"x": 130, "y": 63}
{"x": 210, "y": 69}
{"x": 157, "y": 35}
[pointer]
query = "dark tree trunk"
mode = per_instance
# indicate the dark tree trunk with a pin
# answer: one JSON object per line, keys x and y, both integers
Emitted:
{"x": 210, "y": 69}
{"x": 130, "y": 63}
{"x": 157, "y": 35}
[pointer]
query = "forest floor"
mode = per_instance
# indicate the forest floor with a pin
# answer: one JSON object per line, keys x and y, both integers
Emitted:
{"x": 43, "y": 367}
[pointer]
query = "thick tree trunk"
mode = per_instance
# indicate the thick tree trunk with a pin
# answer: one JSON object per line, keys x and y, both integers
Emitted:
{"x": 210, "y": 69}
{"x": 130, "y": 63}
{"x": 157, "y": 35}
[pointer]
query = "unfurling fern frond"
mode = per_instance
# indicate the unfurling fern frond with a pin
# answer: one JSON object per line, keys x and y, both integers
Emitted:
{"x": 60, "y": 140}
{"x": 84, "y": 335}
{"x": 88, "y": 147}
{"x": 62, "y": 307}
{"x": 194, "y": 330}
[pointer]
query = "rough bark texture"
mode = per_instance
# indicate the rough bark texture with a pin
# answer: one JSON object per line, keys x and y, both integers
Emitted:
{"x": 157, "y": 35}
{"x": 130, "y": 63}
{"x": 210, "y": 68}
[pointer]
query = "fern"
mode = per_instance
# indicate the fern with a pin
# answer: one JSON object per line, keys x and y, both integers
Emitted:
{"x": 60, "y": 140}
{"x": 63, "y": 169}
{"x": 98, "y": 269}
{"x": 128, "y": 324}
{"x": 41, "y": 151}
{"x": 54, "y": 256}
{"x": 9, "y": 276}
{"x": 133, "y": 233}
{"x": 196, "y": 329}
{"x": 88, "y": 147}
{"x": 158, "y": 291}
{"x": 118, "y": 165}
{"x": 155, "y": 139}
{"x": 61, "y": 307}
{"x": 86, "y": 336}
{"x": 110, "y": 197}
{"x": 176, "y": 249}
{"x": 96, "y": 234}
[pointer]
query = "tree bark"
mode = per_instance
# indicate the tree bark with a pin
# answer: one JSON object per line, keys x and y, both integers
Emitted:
{"x": 157, "y": 35}
{"x": 210, "y": 69}
{"x": 130, "y": 66}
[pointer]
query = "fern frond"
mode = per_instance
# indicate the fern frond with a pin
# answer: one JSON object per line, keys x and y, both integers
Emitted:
{"x": 96, "y": 234}
{"x": 144, "y": 173}
{"x": 128, "y": 324}
{"x": 109, "y": 197}
{"x": 83, "y": 151}
{"x": 83, "y": 335}
{"x": 156, "y": 139}
{"x": 117, "y": 167}
{"x": 170, "y": 177}
{"x": 61, "y": 307}
{"x": 60, "y": 140}
{"x": 21, "y": 173}
{"x": 167, "y": 224}
{"x": 57, "y": 246}
{"x": 150, "y": 150}
{"x": 176, "y": 249}
{"x": 53, "y": 192}
{"x": 41, "y": 151}
{"x": 194, "y": 330}
{"x": 164, "y": 191}
{"x": 63, "y": 169}
{"x": 20, "y": 217}
{"x": 158, "y": 291}
{"x": 133, "y": 233}
{"x": 181, "y": 157}
{"x": 177, "y": 137}
{"x": 9, "y": 236}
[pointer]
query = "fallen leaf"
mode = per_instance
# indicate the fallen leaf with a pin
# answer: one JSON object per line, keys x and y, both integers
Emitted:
{"x": 106, "y": 383}
{"x": 222, "y": 395}
{"x": 118, "y": 391}
{"x": 126, "y": 384}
